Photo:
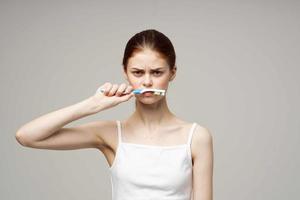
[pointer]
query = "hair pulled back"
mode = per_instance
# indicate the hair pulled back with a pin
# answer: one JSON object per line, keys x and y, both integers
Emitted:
{"x": 153, "y": 40}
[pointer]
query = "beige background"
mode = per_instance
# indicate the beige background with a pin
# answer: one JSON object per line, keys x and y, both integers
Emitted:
{"x": 238, "y": 75}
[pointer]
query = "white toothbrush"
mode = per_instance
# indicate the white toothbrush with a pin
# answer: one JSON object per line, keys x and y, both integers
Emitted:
{"x": 141, "y": 91}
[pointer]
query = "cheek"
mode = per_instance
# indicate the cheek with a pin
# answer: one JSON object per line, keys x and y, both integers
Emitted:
{"x": 135, "y": 83}
{"x": 163, "y": 83}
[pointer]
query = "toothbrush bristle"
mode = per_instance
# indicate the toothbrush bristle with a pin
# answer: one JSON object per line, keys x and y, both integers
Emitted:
{"x": 159, "y": 93}
{"x": 155, "y": 91}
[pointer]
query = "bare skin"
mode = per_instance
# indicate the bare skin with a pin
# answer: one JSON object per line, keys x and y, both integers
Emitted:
{"x": 176, "y": 134}
{"x": 152, "y": 123}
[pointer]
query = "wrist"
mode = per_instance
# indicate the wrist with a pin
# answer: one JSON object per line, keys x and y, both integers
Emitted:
{"x": 83, "y": 108}
{"x": 90, "y": 106}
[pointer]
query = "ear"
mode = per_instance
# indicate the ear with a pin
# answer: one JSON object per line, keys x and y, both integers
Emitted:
{"x": 173, "y": 72}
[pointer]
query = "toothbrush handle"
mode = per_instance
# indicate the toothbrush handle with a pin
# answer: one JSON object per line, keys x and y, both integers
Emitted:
{"x": 102, "y": 90}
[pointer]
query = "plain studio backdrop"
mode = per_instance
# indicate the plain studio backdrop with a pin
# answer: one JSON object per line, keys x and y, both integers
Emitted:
{"x": 238, "y": 75}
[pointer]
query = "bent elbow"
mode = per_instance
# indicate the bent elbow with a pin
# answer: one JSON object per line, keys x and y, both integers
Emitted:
{"x": 21, "y": 139}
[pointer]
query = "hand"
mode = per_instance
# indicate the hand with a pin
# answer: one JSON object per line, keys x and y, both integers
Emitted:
{"x": 113, "y": 95}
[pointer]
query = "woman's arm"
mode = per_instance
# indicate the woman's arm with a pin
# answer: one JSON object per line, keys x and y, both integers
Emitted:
{"x": 202, "y": 148}
{"x": 46, "y": 132}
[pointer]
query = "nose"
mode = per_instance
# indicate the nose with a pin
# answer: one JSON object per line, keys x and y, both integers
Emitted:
{"x": 147, "y": 81}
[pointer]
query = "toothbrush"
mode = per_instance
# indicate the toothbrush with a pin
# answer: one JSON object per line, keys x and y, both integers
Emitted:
{"x": 141, "y": 91}
{"x": 155, "y": 91}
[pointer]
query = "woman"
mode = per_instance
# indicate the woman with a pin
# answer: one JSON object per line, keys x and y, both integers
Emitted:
{"x": 152, "y": 154}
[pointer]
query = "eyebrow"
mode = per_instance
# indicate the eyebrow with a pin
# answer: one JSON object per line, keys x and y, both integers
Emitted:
{"x": 151, "y": 69}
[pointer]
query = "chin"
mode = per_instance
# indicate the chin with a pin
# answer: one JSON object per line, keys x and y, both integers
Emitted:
{"x": 149, "y": 100}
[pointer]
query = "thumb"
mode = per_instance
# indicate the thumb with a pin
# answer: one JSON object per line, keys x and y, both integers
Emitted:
{"x": 127, "y": 96}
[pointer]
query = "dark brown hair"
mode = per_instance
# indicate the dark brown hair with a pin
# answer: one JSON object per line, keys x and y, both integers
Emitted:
{"x": 153, "y": 40}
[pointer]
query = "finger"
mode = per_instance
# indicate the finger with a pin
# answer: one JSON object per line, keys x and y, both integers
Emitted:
{"x": 107, "y": 86}
{"x": 113, "y": 90}
{"x": 126, "y": 97}
{"x": 121, "y": 89}
{"x": 102, "y": 88}
{"x": 129, "y": 89}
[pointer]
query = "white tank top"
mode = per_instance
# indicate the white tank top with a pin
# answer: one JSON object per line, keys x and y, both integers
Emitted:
{"x": 148, "y": 172}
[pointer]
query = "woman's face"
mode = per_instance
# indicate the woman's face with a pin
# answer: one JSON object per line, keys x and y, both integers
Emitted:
{"x": 146, "y": 69}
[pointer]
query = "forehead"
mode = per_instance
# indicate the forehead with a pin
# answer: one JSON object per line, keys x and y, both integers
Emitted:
{"x": 147, "y": 59}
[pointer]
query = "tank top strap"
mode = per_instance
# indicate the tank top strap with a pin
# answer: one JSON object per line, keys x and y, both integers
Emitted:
{"x": 191, "y": 134}
{"x": 119, "y": 131}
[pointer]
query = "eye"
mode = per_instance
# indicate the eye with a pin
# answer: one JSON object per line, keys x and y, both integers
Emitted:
{"x": 137, "y": 72}
{"x": 157, "y": 72}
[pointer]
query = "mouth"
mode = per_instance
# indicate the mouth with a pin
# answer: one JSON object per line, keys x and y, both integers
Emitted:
{"x": 148, "y": 94}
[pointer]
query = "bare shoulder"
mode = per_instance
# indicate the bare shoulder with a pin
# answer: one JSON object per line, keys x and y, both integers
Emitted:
{"x": 202, "y": 141}
{"x": 202, "y": 135}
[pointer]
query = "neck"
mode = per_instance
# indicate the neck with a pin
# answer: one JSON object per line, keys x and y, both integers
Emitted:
{"x": 152, "y": 116}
